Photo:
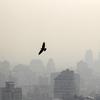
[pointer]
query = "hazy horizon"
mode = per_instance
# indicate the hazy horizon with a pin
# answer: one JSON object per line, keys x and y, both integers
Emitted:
{"x": 68, "y": 27}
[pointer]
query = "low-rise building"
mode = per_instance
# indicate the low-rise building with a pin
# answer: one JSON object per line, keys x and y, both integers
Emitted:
{"x": 10, "y": 92}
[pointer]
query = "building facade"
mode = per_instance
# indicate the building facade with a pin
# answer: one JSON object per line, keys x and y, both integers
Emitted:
{"x": 10, "y": 92}
{"x": 65, "y": 85}
{"x": 97, "y": 97}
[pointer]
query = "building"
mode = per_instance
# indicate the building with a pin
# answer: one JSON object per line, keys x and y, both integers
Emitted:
{"x": 77, "y": 83}
{"x": 86, "y": 78}
{"x": 10, "y": 92}
{"x": 97, "y": 97}
{"x": 51, "y": 66}
{"x": 52, "y": 81}
{"x": 65, "y": 85}
{"x": 89, "y": 58}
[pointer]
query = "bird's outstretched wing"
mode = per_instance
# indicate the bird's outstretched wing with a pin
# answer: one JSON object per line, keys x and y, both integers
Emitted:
{"x": 43, "y": 45}
{"x": 40, "y": 51}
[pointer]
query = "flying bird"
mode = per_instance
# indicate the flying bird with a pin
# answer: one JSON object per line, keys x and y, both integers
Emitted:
{"x": 42, "y": 49}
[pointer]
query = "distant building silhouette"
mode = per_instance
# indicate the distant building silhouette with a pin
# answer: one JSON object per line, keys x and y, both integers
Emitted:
{"x": 40, "y": 92}
{"x": 97, "y": 65}
{"x": 23, "y": 74}
{"x": 89, "y": 58}
{"x": 65, "y": 86}
{"x": 51, "y": 66}
{"x": 37, "y": 66}
{"x": 4, "y": 72}
{"x": 50, "y": 70}
{"x": 86, "y": 78}
{"x": 43, "y": 80}
{"x": 10, "y": 92}
{"x": 77, "y": 83}
{"x": 24, "y": 77}
{"x": 52, "y": 81}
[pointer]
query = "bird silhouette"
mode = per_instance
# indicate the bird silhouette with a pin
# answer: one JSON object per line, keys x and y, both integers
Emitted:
{"x": 42, "y": 49}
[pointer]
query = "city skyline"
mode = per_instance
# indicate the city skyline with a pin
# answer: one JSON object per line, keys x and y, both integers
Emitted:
{"x": 69, "y": 32}
{"x": 69, "y": 28}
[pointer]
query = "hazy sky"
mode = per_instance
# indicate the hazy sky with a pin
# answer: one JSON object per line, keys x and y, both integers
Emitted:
{"x": 69, "y": 28}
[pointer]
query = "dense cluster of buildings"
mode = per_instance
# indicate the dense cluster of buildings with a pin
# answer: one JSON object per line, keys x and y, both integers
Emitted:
{"x": 10, "y": 92}
{"x": 38, "y": 82}
{"x": 66, "y": 86}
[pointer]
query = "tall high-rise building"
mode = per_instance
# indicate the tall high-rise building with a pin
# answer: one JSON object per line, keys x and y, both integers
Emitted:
{"x": 65, "y": 85}
{"x": 86, "y": 78}
{"x": 10, "y": 92}
{"x": 52, "y": 81}
{"x": 89, "y": 58}
{"x": 51, "y": 66}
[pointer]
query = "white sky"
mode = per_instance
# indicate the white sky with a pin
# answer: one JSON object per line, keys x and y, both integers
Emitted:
{"x": 69, "y": 28}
